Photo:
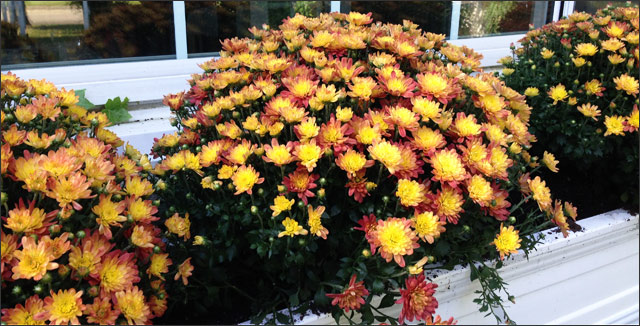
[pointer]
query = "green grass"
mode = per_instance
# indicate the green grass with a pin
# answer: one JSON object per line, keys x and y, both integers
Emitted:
{"x": 47, "y": 31}
{"x": 47, "y": 3}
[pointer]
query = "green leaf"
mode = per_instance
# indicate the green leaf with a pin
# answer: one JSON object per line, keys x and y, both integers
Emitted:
{"x": 387, "y": 301}
{"x": 116, "y": 110}
{"x": 442, "y": 248}
{"x": 82, "y": 100}
{"x": 367, "y": 315}
{"x": 378, "y": 286}
{"x": 321, "y": 298}
{"x": 293, "y": 299}
{"x": 282, "y": 318}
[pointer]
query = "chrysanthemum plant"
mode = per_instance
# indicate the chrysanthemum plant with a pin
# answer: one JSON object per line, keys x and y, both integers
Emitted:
{"x": 580, "y": 74}
{"x": 80, "y": 239}
{"x": 326, "y": 162}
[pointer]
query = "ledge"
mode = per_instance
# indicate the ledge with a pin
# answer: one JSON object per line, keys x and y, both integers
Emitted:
{"x": 589, "y": 277}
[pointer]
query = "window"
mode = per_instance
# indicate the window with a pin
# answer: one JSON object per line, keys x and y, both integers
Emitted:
{"x": 431, "y": 16}
{"x": 490, "y": 18}
{"x": 593, "y": 6}
{"x": 126, "y": 46}
{"x": 208, "y": 22}
{"x": 64, "y": 31}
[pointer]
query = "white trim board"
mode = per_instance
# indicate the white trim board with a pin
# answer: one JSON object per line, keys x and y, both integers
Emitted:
{"x": 589, "y": 277}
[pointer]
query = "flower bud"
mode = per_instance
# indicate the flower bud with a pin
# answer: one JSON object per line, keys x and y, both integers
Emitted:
{"x": 512, "y": 219}
{"x": 254, "y": 210}
{"x": 321, "y": 193}
{"x": 366, "y": 253}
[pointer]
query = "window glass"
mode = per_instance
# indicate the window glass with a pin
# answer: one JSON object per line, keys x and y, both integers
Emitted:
{"x": 593, "y": 6}
{"x": 431, "y": 16}
{"x": 491, "y": 18}
{"x": 60, "y": 31}
{"x": 208, "y": 22}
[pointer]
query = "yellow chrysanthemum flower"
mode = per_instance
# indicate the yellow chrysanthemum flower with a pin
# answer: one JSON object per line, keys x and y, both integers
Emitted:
{"x": 558, "y": 93}
{"x": 281, "y": 204}
{"x": 614, "y": 124}
{"x": 315, "y": 224}
{"x": 447, "y": 166}
{"x": 352, "y": 161}
{"x": 395, "y": 238}
{"x": 245, "y": 178}
{"x": 292, "y": 228}
{"x": 344, "y": 114}
{"x": 507, "y": 241}
{"x": 541, "y": 194}
{"x": 626, "y": 83}
{"x": 531, "y": 92}
{"x": 428, "y": 226}
{"x": 586, "y": 49}
{"x": 546, "y": 53}
{"x": 480, "y": 190}
{"x": 308, "y": 154}
{"x": 410, "y": 192}
{"x": 428, "y": 109}
{"x": 550, "y": 162}
{"x": 386, "y": 153}
{"x": 579, "y": 61}
{"x": 64, "y": 307}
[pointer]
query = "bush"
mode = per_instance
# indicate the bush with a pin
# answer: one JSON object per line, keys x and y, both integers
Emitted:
{"x": 331, "y": 152}
{"x": 581, "y": 77}
{"x": 80, "y": 241}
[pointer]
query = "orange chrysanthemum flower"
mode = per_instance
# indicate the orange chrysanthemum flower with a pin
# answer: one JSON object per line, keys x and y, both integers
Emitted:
{"x": 179, "y": 226}
{"x": 63, "y": 307}
{"x": 109, "y": 214}
{"x": 28, "y": 220}
{"x": 101, "y": 312}
{"x": 131, "y": 303}
{"x": 118, "y": 271}
{"x": 25, "y": 315}
{"x": 394, "y": 238}
{"x": 184, "y": 271}
{"x": 33, "y": 260}
{"x": 68, "y": 189}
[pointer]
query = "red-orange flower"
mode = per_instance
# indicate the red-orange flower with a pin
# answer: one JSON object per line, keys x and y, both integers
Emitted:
{"x": 417, "y": 299}
{"x": 301, "y": 182}
{"x": 352, "y": 297}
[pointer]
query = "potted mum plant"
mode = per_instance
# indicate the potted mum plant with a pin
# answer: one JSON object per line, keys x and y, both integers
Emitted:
{"x": 80, "y": 239}
{"x": 580, "y": 74}
{"x": 325, "y": 163}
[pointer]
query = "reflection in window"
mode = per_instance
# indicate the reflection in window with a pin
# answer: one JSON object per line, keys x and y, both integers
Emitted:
{"x": 593, "y": 6}
{"x": 208, "y": 22}
{"x": 53, "y": 31}
{"x": 489, "y": 18}
{"x": 431, "y": 16}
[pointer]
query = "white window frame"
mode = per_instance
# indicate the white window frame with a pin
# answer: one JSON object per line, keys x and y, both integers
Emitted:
{"x": 146, "y": 82}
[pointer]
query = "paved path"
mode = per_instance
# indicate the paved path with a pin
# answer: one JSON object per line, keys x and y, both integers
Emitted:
{"x": 49, "y": 15}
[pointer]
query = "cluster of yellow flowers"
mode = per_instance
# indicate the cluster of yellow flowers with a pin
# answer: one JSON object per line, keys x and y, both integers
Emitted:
{"x": 77, "y": 216}
{"x": 334, "y": 104}
{"x": 600, "y": 53}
